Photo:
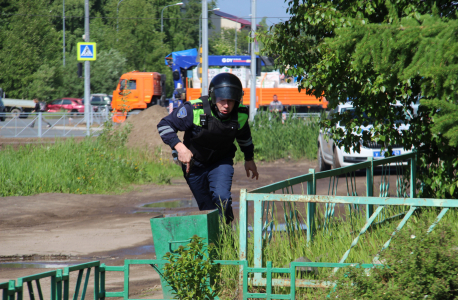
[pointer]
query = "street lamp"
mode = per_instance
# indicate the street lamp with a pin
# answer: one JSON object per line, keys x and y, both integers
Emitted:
{"x": 200, "y": 25}
{"x": 162, "y": 14}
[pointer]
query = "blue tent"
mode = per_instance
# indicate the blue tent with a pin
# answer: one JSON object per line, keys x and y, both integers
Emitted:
{"x": 187, "y": 59}
{"x": 184, "y": 59}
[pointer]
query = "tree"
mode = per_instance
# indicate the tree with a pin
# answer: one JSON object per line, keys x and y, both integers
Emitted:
{"x": 107, "y": 70}
{"x": 27, "y": 44}
{"x": 45, "y": 83}
{"x": 223, "y": 42}
{"x": 181, "y": 24}
{"x": 375, "y": 53}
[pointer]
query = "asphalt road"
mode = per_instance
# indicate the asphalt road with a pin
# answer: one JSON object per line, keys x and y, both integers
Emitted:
{"x": 61, "y": 127}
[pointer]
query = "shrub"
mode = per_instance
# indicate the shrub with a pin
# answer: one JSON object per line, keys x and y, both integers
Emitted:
{"x": 416, "y": 266}
{"x": 294, "y": 138}
{"x": 190, "y": 270}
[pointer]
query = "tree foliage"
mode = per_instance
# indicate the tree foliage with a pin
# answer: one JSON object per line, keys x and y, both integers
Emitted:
{"x": 27, "y": 44}
{"x": 417, "y": 265}
{"x": 128, "y": 36}
{"x": 375, "y": 54}
{"x": 223, "y": 42}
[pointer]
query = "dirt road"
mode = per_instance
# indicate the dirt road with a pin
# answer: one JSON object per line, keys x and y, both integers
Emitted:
{"x": 72, "y": 229}
{"x": 64, "y": 229}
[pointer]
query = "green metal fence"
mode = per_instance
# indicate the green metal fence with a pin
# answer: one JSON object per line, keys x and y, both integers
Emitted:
{"x": 59, "y": 284}
{"x": 377, "y": 209}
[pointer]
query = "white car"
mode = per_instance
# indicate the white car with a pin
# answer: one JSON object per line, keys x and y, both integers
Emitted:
{"x": 331, "y": 156}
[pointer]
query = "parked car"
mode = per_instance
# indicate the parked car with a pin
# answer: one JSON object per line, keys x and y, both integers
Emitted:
{"x": 101, "y": 101}
{"x": 2, "y": 110}
{"x": 331, "y": 156}
{"x": 72, "y": 105}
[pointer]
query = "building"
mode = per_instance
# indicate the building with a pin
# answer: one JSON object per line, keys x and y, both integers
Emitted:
{"x": 221, "y": 19}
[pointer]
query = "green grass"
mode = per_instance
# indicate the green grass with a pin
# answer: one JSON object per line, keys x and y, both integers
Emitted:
{"x": 104, "y": 165}
{"x": 328, "y": 246}
{"x": 80, "y": 167}
{"x": 295, "y": 139}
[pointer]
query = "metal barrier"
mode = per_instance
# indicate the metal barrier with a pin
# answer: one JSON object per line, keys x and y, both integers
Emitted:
{"x": 60, "y": 280}
{"x": 51, "y": 124}
{"x": 377, "y": 210}
{"x": 126, "y": 270}
{"x": 59, "y": 285}
{"x": 304, "y": 115}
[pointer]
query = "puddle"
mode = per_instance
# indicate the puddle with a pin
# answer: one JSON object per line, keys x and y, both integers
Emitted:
{"x": 172, "y": 203}
{"x": 132, "y": 251}
{"x": 35, "y": 265}
{"x": 138, "y": 250}
{"x": 35, "y": 258}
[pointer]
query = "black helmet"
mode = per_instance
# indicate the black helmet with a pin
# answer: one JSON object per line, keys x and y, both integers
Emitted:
{"x": 226, "y": 86}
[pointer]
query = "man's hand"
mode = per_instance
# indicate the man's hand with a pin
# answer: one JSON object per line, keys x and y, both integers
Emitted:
{"x": 184, "y": 155}
{"x": 251, "y": 166}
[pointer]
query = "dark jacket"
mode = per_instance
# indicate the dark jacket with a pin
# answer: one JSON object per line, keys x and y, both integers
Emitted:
{"x": 186, "y": 118}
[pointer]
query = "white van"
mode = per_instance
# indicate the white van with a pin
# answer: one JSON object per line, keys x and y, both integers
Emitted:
{"x": 332, "y": 156}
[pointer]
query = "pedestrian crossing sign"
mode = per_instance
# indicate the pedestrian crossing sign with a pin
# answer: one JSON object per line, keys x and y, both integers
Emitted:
{"x": 86, "y": 51}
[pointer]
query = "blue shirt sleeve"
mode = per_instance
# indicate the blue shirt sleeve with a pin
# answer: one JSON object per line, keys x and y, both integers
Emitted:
{"x": 181, "y": 119}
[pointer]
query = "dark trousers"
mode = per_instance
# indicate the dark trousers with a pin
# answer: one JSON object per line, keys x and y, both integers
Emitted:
{"x": 211, "y": 186}
{"x": 42, "y": 120}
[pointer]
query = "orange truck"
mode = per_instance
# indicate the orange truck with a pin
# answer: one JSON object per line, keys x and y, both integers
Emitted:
{"x": 185, "y": 68}
{"x": 137, "y": 91}
{"x": 287, "y": 96}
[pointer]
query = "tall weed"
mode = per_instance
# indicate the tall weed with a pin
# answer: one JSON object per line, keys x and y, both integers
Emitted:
{"x": 294, "y": 138}
{"x": 329, "y": 245}
{"x": 90, "y": 166}
{"x": 418, "y": 265}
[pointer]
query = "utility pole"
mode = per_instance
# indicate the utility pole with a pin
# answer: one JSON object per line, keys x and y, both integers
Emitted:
{"x": 204, "y": 48}
{"x": 87, "y": 71}
{"x": 253, "y": 62}
{"x": 63, "y": 19}
{"x": 235, "y": 39}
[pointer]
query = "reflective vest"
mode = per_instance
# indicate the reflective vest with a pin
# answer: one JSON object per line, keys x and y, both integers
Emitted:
{"x": 215, "y": 140}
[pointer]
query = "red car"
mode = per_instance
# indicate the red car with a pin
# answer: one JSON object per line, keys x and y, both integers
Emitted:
{"x": 74, "y": 105}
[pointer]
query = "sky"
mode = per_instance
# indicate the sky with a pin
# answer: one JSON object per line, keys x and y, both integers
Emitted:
{"x": 275, "y": 10}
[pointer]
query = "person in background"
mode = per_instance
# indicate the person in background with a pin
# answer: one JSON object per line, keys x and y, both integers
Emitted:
{"x": 178, "y": 98}
{"x": 275, "y": 106}
{"x": 211, "y": 125}
{"x": 39, "y": 107}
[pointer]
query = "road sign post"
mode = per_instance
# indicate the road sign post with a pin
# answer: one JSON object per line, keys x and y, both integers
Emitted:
{"x": 87, "y": 52}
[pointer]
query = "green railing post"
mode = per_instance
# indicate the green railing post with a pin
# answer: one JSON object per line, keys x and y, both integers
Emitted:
{"x": 257, "y": 234}
{"x": 102, "y": 271}
{"x": 311, "y": 207}
{"x": 126, "y": 280}
{"x": 53, "y": 287}
{"x": 369, "y": 187}
{"x": 96, "y": 282}
{"x": 59, "y": 284}
{"x": 19, "y": 290}
{"x": 413, "y": 174}
{"x": 11, "y": 289}
{"x": 243, "y": 216}
{"x": 66, "y": 280}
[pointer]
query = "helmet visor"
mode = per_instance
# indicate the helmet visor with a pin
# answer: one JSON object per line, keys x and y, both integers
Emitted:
{"x": 228, "y": 93}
